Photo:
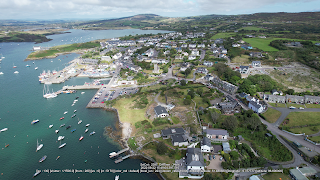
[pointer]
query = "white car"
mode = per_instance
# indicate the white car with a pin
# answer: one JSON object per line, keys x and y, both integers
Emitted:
{"x": 301, "y": 108}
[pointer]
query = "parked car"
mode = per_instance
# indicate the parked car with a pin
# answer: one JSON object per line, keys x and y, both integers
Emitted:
{"x": 301, "y": 108}
{"x": 221, "y": 158}
{"x": 213, "y": 156}
{"x": 210, "y": 157}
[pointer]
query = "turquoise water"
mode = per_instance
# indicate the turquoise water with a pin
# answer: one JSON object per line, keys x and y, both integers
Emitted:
{"x": 21, "y": 101}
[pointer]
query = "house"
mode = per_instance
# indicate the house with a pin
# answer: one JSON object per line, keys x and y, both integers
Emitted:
{"x": 235, "y": 45}
{"x": 167, "y": 133}
{"x": 217, "y": 134}
{"x": 293, "y": 44}
{"x": 243, "y": 95}
{"x": 244, "y": 69}
{"x": 161, "y": 111}
{"x": 201, "y": 46}
{"x": 208, "y": 77}
{"x": 159, "y": 61}
{"x": 117, "y": 56}
{"x": 256, "y": 64}
{"x": 224, "y": 85}
{"x": 255, "y": 106}
{"x": 230, "y": 107}
{"x": 184, "y": 45}
{"x": 206, "y": 145}
{"x": 195, "y": 52}
{"x": 311, "y": 99}
{"x": 195, "y": 162}
{"x": 179, "y": 140}
{"x": 202, "y": 70}
{"x": 218, "y": 41}
{"x": 192, "y": 57}
{"x": 301, "y": 173}
{"x": 246, "y": 47}
{"x": 224, "y": 51}
{"x": 36, "y": 48}
{"x": 255, "y": 54}
{"x": 226, "y": 147}
{"x": 192, "y": 46}
{"x": 295, "y": 99}
{"x": 274, "y": 98}
{"x": 208, "y": 63}
{"x": 274, "y": 92}
{"x": 150, "y": 53}
{"x": 317, "y": 44}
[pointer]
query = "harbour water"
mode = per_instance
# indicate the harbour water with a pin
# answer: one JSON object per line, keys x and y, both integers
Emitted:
{"x": 21, "y": 102}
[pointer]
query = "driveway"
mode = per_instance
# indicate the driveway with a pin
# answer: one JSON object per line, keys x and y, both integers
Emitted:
{"x": 215, "y": 163}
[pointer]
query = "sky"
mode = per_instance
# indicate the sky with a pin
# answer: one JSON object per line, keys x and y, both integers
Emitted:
{"x": 103, "y": 9}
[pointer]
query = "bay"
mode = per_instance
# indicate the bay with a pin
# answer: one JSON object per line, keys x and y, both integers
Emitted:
{"x": 21, "y": 102}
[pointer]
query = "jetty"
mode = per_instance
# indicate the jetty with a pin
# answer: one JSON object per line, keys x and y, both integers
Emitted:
{"x": 122, "y": 158}
{"x": 114, "y": 154}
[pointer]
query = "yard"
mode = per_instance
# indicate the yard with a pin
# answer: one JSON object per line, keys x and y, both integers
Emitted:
{"x": 303, "y": 118}
{"x": 306, "y": 130}
{"x": 278, "y": 105}
{"x": 243, "y": 60}
{"x": 272, "y": 115}
{"x": 276, "y": 176}
{"x": 261, "y": 43}
{"x": 313, "y": 105}
{"x": 223, "y": 35}
{"x": 251, "y": 28}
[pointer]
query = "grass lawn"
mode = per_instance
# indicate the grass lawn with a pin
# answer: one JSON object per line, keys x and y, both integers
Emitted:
{"x": 261, "y": 43}
{"x": 303, "y": 118}
{"x": 313, "y": 105}
{"x": 306, "y": 130}
{"x": 154, "y": 87}
{"x": 315, "y": 138}
{"x": 199, "y": 102}
{"x": 278, "y": 104}
{"x": 190, "y": 75}
{"x": 251, "y": 28}
{"x": 171, "y": 176}
{"x": 276, "y": 176}
{"x": 223, "y": 35}
{"x": 127, "y": 114}
{"x": 243, "y": 59}
{"x": 272, "y": 115}
{"x": 175, "y": 120}
{"x": 132, "y": 143}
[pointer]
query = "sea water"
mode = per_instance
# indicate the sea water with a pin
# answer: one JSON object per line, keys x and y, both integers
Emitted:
{"x": 21, "y": 102}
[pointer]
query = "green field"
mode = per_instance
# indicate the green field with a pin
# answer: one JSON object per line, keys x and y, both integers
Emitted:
{"x": 278, "y": 104}
{"x": 306, "y": 130}
{"x": 303, "y": 118}
{"x": 223, "y": 35}
{"x": 251, "y": 28}
{"x": 272, "y": 115}
{"x": 315, "y": 138}
{"x": 313, "y": 105}
{"x": 276, "y": 176}
{"x": 261, "y": 43}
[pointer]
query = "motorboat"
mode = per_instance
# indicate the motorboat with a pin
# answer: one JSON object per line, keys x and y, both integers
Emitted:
{"x": 36, "y": 174}
{"x": 86, "y": 130}
{"x": 5, "y": 129}
{"x": 61, "y": 118}
{"x": 27, "y": 65}
{"x": 35, "y": 121}
{"x": 116, "y": 177}
{"x": 51, "y": 125}
{"x": 62, "y": 125}
{"x": 74, "y": 111}
{"x": 73, "y": 130}
{"x": 62, "y": 145}
{"x": 92, "y": 133}
{"x": 81, "y": 138}
{"x": 57, "y": 131}
{"x": 60, "y": 138}
{"x": 68, "y": 127}
{"x": 74, "y": 115}
{"x": 83, "y": 92}
{"x": 79, "y": 122}
{"x": 1, "y": 73}
{"x": 43, "y": 158}
{"x": 39, "y": 146}
{"x": 65, "y": 112}
{"x": 16, "y": 72}
{"x": 57, "y": 157}
{"x": 36, "y": 68}
{"x": 87, "y": 125}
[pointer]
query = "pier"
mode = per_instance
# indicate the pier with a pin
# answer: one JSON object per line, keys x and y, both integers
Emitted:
{"x": 114, "y": 154}
{"x": 122, "y": 158}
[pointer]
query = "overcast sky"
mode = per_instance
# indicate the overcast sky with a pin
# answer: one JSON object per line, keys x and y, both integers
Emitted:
{"x": 100, "y": 9}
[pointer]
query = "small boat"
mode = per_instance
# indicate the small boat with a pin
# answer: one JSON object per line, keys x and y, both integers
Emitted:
{"x": 73, "y": 115}
{"x": 68, "y": 127}
{"x": 57, "y": 131}
{"x": 79, "y": 122}
{"x": 60, "y": 138}
{"x": 43, "y": 158}
{"x": 92, "y": 133}
{"x": 39, "y": 146}
{"x": 116, "y": 177}
{"x": 61, "y": 118}
{"x": 36, "y": 174}
{"x": 83, "y": 92}
{"x": 51, "y": 61}
{"x": 6, "y": 145}
{"x": 74, "y": 101}
{"x": 72, "y": 104}
{"x": 73, "y": 130}
{"x": 51, "y": 125}
{"x": 36, "y": 68}
{"x": 4, "y": 129}
{"x": 74, "y": 111}
{"x": 62, "y": 145}
{"x": 62, "y": 125}
{"x": 77, "y": 97}
{"x": 85, "y": 161}
{"x": 14, "y": 66}
{"x": 57, "y": 157}
{"x": 35, "y": 121}
{"x": 1, "y": 73}
{"x": 27, "y": 65}
{"x": 86, "y": 130}
{"x": 87, "y": 125}
{"x": 81, "y": 138}
{"x": 65, "y": 112}
{"x": 16, "y": 72}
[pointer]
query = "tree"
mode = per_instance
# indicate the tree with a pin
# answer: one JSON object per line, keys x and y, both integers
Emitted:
{"x": 187, "y": 72}
{"x": 254, "y": 122}
{"x": 187, "y": 101}
{"x": 214, "y": 116}
{"x": 230, "y": 123}
{"x": 234, "y": 155}
{"x": 290, "y": 91}
{"x": 183, "y": 82}
{"x": 200, "y": 91}
{"x": 191, "y": 93}
{"x": 161, "y": 148}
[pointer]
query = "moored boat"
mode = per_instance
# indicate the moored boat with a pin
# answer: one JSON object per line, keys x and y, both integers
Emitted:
{"x": 83, "y": 92}
{"x": 75, "y": 111}
{"x": 36, "y": 68}
{"x": 6, "y": 145}
{"x": 51, "y": 125}
{"x": 92, "y": 133}
{"x": 36, "y": 174}
{"x": 62, "y": 145}
{"x": 60, "y": 138}
{"x": 87, "y": 125}
{"x": 57, "y": 157}
{"x": 68, "y": 127}
{"x": 79, "y": 122}
{"x": 27, "y": 65}
{"x": 35, "y": 121}
{"x": 62, "y": 125}
{"x": 1, "y": 73}
{"x": 73, "y": 130}
{"x": 4, "y": 129}
{"x": 77, "y": 97}
{"x": 116, "y": 177}
{"x": 43, "y": 158}
{"x": 81, "y": 138}
{"x": 16, "y": 72}
{"x": 61, "y": 118}
{"x": 74, "y": 115}
{"x": 65, "y": 112}
{"x": 57, "y": 131}
{"x": 39, "y": 146}
{"x": 86, "y": 130}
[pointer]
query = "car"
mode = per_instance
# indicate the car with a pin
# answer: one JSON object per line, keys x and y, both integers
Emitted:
{"x": 292, "y": 107}
{"x": 221, "y": 158}
{"x": 210, "y": 157}
{"x": 301, "y": 108}
{"x": 213, "y": 156}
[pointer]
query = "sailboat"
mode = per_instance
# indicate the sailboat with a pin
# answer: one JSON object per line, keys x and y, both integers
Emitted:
{"x": 46, "y": 92}
{"x": 14, "y": 66}
{"x": 39, "y": 146}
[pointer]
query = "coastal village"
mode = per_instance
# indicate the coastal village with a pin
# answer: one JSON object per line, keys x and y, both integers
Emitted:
{"x": 183, "y": 101}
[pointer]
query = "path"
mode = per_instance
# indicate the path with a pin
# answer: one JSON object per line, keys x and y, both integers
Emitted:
{"x": 157, "y": 101}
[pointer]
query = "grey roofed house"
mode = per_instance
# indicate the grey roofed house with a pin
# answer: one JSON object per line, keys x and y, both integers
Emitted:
{"x": 243, "y": 95}
{"x": 159, "y": 110}
{"x": 244, "y": 69}
{"x": 230, "y": 107}
{"x": 206, "y": 141}
{"x": 255, "y": 54}
{"x": 194, "y": 158}
{"x": 275, "y": 98}
{"x": 294, "y": 99}
{"x": 179, "y": 138}
{"x": 217, "y": 132}
{"x": 311, "y": 99}
{"x": 167, "y": 133}
{"x": 256, "y": 63}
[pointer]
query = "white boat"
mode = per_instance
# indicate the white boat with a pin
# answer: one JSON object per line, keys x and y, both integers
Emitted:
{"x": 75, "y": 100}
{"x": 1, "y": 73}
{"x": 27, "y": 65}
{"x": 60, "y": 138}
{"x": 57, "y": 131}
{"x": 65, "y": 112}
{"x": 72, "y": 104}
{"x": 75, "y": 111}
{"x": 83, "y": 92}
{"x": 36, "y": 68}
{"x": 62, "y": 145}
{"x": 4, "y": 129}
{"x": 87, "y": 125}
{"x": 92, "y": 133}
{"x": 46, "y": 92}
{"x": 39, "y": 146}
{"x": 51, "y": 125}
{"x": 79, "y": 122}
{"x": 16, "y": 72}
{"x": 86, "y": 130}
{"x": 116, "y": 177}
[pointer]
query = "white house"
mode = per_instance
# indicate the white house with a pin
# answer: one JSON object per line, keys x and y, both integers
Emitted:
{"x": 161, "y": 111}
{"x": 117, "y": 56}
{"x": 106, "y": 58}
{"x": 192, "y": 57}
{"x": 256, "y": 64}
{"x": 195, "y": 162}
{"x": 195, "y": 52}
{"x": 208, "y": 63}
{"x": 255, "y": 106}
{"x": 206, "y": 145}
{"x": 192, "y": 46}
